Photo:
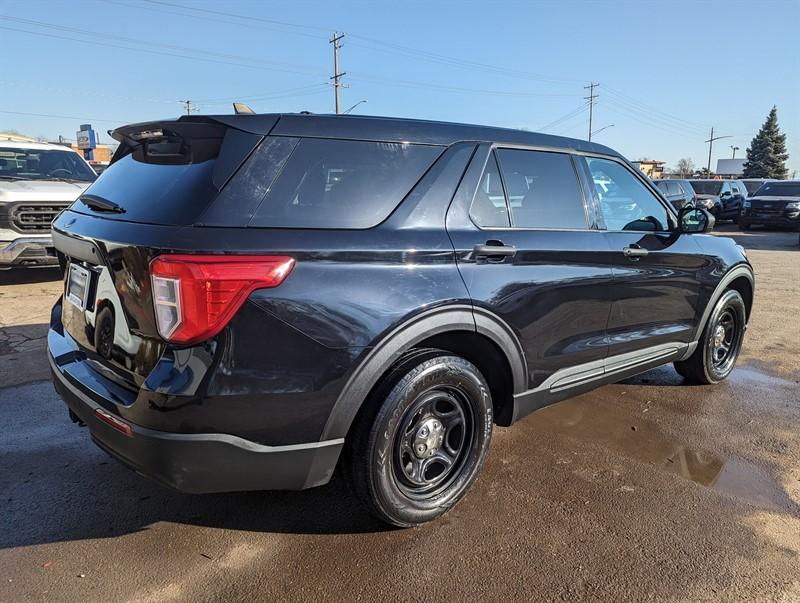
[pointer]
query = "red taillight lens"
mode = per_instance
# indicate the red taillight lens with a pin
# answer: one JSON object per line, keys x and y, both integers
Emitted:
{"x": 194, "y": 296}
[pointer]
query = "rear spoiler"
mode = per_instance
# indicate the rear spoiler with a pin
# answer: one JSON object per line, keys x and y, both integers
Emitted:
{"x": 231, "y": 138}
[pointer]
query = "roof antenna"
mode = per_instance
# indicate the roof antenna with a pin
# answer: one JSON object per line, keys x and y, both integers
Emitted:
{"x": 242, "y": 109}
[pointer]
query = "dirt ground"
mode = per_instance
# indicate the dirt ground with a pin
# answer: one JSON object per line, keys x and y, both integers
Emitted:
{"x": 642, "y": 490}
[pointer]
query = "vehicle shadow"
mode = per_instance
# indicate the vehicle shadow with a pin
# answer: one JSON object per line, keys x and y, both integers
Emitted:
{"x": 760, "y": 238}
{"x": 27, "y": 276}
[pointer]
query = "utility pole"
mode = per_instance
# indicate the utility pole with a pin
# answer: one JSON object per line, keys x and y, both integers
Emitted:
{"x": 336, "y": 75}
{"x": 189, "y": 106}
{"x": 710, "y": 142}
{"x": 734, "y": 151}
{"x": 590, "y": 98}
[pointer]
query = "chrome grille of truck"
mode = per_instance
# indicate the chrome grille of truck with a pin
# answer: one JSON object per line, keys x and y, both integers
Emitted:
{"x": 35, "y": 216}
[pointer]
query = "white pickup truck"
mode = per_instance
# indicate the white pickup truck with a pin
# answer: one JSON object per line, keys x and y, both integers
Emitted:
{"x": 37, "y": 181}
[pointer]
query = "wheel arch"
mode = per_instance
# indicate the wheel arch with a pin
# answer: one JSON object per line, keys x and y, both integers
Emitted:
{"x": 740, "y": 278}
{"x": 476, "y": 334}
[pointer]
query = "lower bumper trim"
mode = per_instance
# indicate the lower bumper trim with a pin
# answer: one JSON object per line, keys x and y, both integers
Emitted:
{"x": 207, "y": 462}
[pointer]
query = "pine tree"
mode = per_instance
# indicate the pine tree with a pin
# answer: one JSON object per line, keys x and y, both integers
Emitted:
{"x": 766, "y": 155}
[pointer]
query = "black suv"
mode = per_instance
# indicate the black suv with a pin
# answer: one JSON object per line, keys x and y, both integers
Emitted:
{"x": 252, "y": 301}
{"x": 776, "y": 203}
{"x": 678, "y": 192}
{"x": 723, "y": 198}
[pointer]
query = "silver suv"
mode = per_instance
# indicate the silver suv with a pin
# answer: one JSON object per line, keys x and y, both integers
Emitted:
{"x": 37, "y": 181}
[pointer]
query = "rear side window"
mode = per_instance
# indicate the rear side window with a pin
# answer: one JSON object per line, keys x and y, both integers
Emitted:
{"x": 542, "y": 189}
{"x": 328, "y": 183}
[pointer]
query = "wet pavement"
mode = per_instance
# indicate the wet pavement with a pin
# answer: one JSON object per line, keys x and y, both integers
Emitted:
{"x": 645, "y": 489}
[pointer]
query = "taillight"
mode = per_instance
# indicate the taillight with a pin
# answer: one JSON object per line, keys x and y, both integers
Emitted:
{"x": 194, "y": 296}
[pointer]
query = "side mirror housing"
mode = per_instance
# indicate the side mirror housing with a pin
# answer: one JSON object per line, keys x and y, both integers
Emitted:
{"x": 694, "y": 220}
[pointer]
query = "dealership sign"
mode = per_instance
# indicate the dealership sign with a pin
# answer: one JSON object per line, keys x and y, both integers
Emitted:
{"x": 87, "y": 140}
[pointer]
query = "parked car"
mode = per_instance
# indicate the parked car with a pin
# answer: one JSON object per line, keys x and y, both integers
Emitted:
{"x": 677, "y": 192}
{"x": 753, "y": 184}
{"x": 252, "y": 301}
{"x": 37, "y": 180}
{"x": 723, "y": 198}
{"x": 776, "y": 203}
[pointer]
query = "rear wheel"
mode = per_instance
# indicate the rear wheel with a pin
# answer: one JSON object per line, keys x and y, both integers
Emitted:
{"x": 421, "y": 441}
{"x": 719, "y": 346}
{"x": 744, "y": 225}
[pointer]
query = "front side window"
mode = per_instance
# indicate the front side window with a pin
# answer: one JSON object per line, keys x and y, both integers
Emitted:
{"x": 626, "y": 203}
{"x": 330, "y": 183}
{"x": 542, "y": 189}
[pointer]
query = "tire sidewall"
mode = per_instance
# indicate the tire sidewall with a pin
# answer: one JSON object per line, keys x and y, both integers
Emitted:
{"x": 454, "y": 371}
{"x": 733, "y": 300}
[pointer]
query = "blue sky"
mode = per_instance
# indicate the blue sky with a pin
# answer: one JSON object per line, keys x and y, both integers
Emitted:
{"x": 668, "y": 71}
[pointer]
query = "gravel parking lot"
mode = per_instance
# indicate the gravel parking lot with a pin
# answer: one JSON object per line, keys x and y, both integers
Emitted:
{"x": 644, "y": 489}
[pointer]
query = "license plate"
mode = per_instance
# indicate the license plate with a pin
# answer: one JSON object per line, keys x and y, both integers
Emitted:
{"x": 78, "y": 285}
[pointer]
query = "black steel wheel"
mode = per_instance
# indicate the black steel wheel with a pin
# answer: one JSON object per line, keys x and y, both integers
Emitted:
{"x": 419, "y": 443}
{"x": 720, "y": 343}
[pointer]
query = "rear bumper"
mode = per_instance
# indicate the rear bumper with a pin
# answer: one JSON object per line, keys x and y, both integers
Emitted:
{"x": 200, "y": 463}
{"x": 28, "y": 251}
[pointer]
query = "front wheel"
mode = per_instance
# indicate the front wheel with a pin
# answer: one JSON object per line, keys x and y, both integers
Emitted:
{"x": 421, "y": 441}
{"x": 720, "y": 344}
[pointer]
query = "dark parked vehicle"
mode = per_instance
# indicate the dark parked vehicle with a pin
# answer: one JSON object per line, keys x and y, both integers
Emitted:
{"x": 723, "y": 198}
{"x": 753, "y": 184}
{"x": 776, "y": 203}
{"x": 252, "y": 301}
{"x": 678, "y": 192}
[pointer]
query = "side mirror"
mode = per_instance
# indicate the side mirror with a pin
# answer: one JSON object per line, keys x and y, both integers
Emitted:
{"x": 694, "y": 220}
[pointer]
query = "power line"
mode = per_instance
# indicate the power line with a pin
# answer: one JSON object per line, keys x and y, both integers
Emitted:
{"x": 110, "y": 121}
{"x": 590, "y": 98}
{"x": 564, "y": 118}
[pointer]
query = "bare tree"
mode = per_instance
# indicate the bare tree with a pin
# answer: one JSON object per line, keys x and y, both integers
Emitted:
{"x": 684, "y": 168}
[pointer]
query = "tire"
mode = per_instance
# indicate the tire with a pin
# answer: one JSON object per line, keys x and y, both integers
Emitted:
{"x": 744, "y": 225}
{"x": 431, "y": 406}
{"x": 717, "y": 350}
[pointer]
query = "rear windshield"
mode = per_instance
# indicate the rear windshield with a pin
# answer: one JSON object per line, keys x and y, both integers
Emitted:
{"x": 329, "y": 183}
{"x": 706, "y": 187}
{"x": 779, "y": 189}
{"x": 168, "y": 175}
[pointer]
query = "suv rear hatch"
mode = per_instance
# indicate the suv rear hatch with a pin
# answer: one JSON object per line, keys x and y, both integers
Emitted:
{"x": 162, "y": 179}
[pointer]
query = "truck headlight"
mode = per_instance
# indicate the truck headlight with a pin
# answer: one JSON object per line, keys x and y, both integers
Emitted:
{"x": 793, "y": 205}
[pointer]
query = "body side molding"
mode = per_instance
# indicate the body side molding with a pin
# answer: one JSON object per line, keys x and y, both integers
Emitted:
{"x": 457, "y": 317}
{"x": 571, "y": 381}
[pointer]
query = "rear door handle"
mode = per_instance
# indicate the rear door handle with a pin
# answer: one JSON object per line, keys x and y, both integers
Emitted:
{"x": 494, "y": 251}
{"x": 634, "y": 252}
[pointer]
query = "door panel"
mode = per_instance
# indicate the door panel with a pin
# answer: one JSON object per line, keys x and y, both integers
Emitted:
{"x": 554, "y": 291}
{"x": 656, "y": 295}
{"x": 656, "y": 270}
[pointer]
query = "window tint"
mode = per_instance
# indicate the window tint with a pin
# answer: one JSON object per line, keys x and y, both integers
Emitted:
{"x": 542, "y": 189}
{"x": 672, "y": 188}
{"x": 625, "y": 201}
{"x": 662, "y": 185}
{"x": 330, "y": 183}
{"x": 735, "y": 189}
{"x": 489, "y": 205}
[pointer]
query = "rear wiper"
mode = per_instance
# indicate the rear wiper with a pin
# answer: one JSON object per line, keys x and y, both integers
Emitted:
{"x": 99, "y": 203}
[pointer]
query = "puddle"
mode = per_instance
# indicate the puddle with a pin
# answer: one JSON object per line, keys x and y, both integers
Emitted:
{"x": 620, "y": 428}
{"x": 748, "y": 374}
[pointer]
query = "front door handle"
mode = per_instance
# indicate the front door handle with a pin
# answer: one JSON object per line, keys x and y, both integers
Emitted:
{"x": 634, "y": 252}
{"x": 496, "y": 252}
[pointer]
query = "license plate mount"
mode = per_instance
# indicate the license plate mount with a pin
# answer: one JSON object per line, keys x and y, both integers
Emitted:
{"x": 78, "y": 285}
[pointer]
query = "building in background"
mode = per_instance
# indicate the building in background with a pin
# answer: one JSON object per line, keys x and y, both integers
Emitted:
{"x": 730, "y": 168}
{"x": 651, "y": 168}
